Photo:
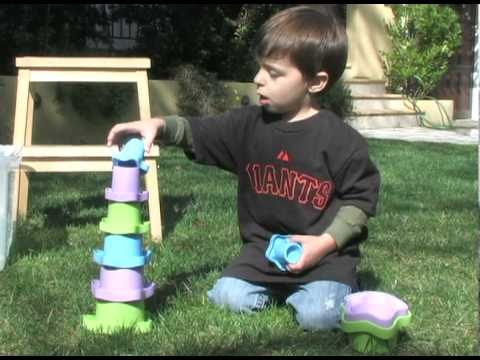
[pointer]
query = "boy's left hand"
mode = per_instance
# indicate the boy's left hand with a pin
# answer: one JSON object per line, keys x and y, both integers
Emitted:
{"x": 314, "y": 249}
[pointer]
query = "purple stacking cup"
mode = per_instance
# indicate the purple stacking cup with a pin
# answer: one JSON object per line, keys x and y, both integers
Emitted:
{"x": 122, "y": 285}
{"x": 125, "y": 185}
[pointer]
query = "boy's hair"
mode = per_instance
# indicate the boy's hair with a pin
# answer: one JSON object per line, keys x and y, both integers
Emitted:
{"x": 313, "y": 41}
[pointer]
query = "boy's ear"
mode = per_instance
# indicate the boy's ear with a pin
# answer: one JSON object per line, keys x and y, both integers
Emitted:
{"x": 318, "y": 83}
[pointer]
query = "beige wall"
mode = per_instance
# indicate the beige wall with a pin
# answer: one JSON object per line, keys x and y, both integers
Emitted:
{"x": 367, "y": 37}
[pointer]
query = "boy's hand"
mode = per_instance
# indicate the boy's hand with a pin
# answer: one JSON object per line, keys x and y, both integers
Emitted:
{"x": 148, "y": 129}
{"x": 314, "y": 249}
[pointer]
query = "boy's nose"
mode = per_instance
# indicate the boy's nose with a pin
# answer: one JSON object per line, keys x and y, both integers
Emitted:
{"x": 258, "y": 79}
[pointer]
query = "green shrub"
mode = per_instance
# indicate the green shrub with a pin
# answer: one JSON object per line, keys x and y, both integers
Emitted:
{"x": 240, "y": 61}
{"x": 97, "y": 101}
{"x": 424, "y": 38}
{"x": 200, "y": 93}
{"x": 6, "y": 127}
{"x": 337, "y": 99}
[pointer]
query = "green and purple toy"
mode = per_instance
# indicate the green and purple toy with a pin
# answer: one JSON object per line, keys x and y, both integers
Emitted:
{"x": 374, "y": 320}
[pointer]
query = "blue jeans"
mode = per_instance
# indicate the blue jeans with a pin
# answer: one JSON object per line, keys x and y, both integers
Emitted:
{"x": 317, "y": 304}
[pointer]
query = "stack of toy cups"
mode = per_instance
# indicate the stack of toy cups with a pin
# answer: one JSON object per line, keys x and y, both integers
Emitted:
{"x": 121, "y": 289}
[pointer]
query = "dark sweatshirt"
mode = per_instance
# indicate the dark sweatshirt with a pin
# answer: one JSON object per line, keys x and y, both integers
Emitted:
{"x": 306, "y": 177}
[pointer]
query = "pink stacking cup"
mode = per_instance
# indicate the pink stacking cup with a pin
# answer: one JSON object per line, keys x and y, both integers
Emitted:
{"x": 122, "y": 285}
{"x": 125, "y": 185}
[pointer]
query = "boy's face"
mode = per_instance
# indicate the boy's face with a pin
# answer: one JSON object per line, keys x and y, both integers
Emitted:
{"x": 281, "y": 86}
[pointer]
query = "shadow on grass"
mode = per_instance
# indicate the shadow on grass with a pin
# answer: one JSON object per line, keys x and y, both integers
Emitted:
{"x": 367, "y": 281}
{"x": 322, "y": 343}
{"x": 46, "y": 228}
{"x": 69, "y": 213}
{"x": 331, "y": 342}
{"x": 171, "y": 287}
{"x": 29, "y": 239}
{"x": 173, "y": 209}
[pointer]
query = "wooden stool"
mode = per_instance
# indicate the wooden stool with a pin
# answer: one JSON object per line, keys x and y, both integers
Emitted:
{"x": 82, "y": 158}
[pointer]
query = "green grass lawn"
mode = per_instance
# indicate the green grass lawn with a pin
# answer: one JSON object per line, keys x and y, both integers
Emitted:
{"x": 422, "y": 248}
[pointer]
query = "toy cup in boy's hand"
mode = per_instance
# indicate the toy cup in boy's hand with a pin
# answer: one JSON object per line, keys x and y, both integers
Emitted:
{"x": 132, "y": 154}
{"x": 281, "y": 251}
{"x": 147, "y": 129}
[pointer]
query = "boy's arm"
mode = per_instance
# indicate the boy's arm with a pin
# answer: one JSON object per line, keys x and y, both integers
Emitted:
{"x": 347, "y": 224}
{"x": 210, "y": 140}
{"x": 357, "y": 185}
{"x": 177, "y": 131}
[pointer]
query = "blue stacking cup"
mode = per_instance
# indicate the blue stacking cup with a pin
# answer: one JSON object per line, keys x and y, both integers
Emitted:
{"x": 122, "y": 251}
{"x": 281, "y": 251}
{"x": 132, "y": 154}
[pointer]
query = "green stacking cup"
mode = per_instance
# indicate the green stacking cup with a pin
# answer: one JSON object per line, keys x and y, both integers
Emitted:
{"x": 114, "y": 316}
{"x": 124, "y": 218}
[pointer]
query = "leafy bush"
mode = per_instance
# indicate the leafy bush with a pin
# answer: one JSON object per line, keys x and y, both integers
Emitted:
{"x": 50, "y": 30}
{"x": 96, "y": 101}
{"x": 241, "y": 64}
{"x": 424, "y": 37}
{"x": 337, "y": 99}
{"x": 6, "y": 127}
{"x": 200, "y": 93}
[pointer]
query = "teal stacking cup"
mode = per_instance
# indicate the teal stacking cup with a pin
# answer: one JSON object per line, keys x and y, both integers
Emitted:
{"x": 122, "y": 251}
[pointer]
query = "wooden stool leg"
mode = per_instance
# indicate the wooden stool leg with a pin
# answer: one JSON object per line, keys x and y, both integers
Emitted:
{"x": 154, "y": 211}
{"x": 22, "y": 135}
{"x": 23, "y": 194}
{"x": 16, "y": 195}
{"x": 143, "y": 97}
{"x": 24, "y": 181}
{"x": 151, "y": 179}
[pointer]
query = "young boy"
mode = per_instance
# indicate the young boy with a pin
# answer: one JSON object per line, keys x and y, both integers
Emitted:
{"x": 301, "y": 172}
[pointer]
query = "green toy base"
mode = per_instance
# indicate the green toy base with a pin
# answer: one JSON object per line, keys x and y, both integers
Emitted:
{"x": 90, "y": 322}
{"x": 369, "y": 344}
{"x": 113, "y": 316}
{"x": 371, "y": 338}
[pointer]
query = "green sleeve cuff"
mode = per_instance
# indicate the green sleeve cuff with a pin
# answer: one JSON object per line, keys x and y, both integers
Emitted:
{"x": 178, "y": 132}
{"x": 347, "y": 224}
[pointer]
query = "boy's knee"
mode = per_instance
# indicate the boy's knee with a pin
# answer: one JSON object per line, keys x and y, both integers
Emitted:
{"x": 319, "y": 319}
{"x": 224, "y": 295}
{"x": 237, "y": 295}
{"x": 318, "y": 305}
